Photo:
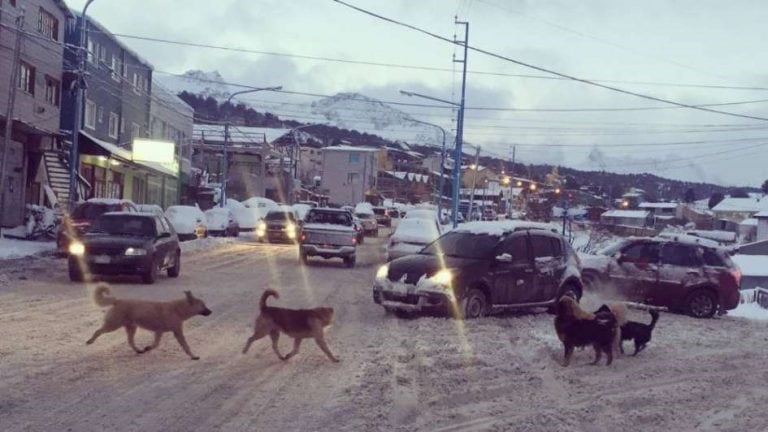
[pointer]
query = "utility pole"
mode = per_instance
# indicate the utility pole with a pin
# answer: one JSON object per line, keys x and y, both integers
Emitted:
{"x": 460, "y": 126}
{"x": 474, "y": 181}
{"x": 9, "y": 112}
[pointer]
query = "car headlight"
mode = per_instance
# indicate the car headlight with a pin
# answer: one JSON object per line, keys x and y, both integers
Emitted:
{"x": 443, "y": 277}
{"x": 77, "y": 249}
{"x": 382, "y": 272}
{"x": 262, "y": 226}
{"x": 135, "y": 252}
{"x": 290, "y": 227}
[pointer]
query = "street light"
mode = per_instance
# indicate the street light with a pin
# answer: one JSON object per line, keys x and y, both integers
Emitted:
{"x": 297, "y": 152}
{"x": 226, "y": 138}
{"x": 442, "y": 163}
{"x": 457, "y": 153}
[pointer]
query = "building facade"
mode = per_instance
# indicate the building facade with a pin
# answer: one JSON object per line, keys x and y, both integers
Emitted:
{"x": 37, "y": 104}
{"x": 115, "y": 111}
{"x": 349, "y": 173}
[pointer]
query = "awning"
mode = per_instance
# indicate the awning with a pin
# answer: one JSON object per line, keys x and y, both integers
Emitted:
{"x": 95, "y": 146}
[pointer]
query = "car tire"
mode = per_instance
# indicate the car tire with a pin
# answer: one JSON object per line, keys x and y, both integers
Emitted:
{"x": 349, "y": 261}
{"x": 701, "y": 303}
{"x": 175, "y": 271}
{"x": 303, "y": 258}
{"x": 75, "y": 275}
{"x": 376, "y": 232}
{"x": 150, "y": 276}
{"x": 474, "y": 304}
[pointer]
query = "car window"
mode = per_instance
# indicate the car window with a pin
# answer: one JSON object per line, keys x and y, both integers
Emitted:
{"x": 516, "y": 246}
{"x": 160, "y": 228}
{"x": 711, "y": 258}
{"x": 641, "y": 253}
{"x": 679, "y": 255}
{"x": 167, "y": 224}
{"x": 543, "y": 247}
{"x": 463, "y": 245}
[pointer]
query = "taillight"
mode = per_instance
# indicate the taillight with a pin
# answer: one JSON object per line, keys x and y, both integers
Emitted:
{"x": 303, "y": 236}
{"x": 737, "y": 276}
{"x": 354, "y": 240}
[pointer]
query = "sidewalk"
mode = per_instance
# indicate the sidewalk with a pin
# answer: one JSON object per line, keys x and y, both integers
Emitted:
{"x": 11, "y": 248}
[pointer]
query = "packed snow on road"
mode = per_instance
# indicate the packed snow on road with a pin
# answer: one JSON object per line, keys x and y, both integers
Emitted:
{"x": 401, "y": 374}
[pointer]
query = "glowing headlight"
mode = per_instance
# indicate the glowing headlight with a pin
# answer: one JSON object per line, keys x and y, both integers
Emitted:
{"x": 135, "y": 251}
{"x": 382, "y": 272}
{"x": 443, "y": 277}
{"x": 77, "y": 249}
{"x": 290, "y": 227}
{"x": 262, "y": 226}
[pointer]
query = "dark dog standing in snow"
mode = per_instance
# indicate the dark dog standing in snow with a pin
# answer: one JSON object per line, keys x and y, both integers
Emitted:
{"x": 575, "y": 328}
{"x": 296, "y": 323}
{"x": 639, "y": 332}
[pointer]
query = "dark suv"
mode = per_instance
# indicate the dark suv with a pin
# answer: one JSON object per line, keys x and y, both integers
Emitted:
{"x": 77, "y": 223}
{"x": 480, "y": 268}
{"x": 677, "y": 273}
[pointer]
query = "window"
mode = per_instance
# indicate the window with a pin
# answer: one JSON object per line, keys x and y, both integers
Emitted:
{"x": 26, "y": 80}
{"x": 352, "y": 178}
{"x": 711, "y": 258}
{"x": 90, "y": 114}
{"x": 93, "y": 50}
{"x": 102, "y": 54}
{"x": 48, "y": 25}
{"x": 544, "y": 247}
{"x": 52, "y": 91}
{"x": 517, "y": 247}
{"x": 136, "y": 83}
{"x": 114, "y": 121}
{"x": 354, "y": 158}
{"x": 116, "y": 67}
{"x": 135, "y": 131}
{"x": 679, "y": 255}
{"x": 101, "y": 114}
{"x": 122, "y": 126}
{"x": 642, "y": 253}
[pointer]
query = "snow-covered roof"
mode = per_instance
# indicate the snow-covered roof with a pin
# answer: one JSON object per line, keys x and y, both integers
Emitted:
{"x": 722, "y": 236}
{"x": 416, "y": 230}
{"x": 238, "y": 134}
{"x": 762, "y": 214}
{"x": 752, "y": 265}
{"x": 658, "y": 205}
{"x": 749, "y": 222}
{"x": 742, "y": 205}
{"x": 632, "y": 214}
{"x": 500, "y": 227}
{"x": 348, "y": 148}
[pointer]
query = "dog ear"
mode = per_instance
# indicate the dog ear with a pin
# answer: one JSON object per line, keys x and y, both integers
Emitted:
{"x": 190, "y": 297}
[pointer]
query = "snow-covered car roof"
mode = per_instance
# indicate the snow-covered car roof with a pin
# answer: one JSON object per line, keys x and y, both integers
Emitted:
{"x": 416, "y": 230}
{"x": 364, "y": 208}
{"x": 259, "y": 202}
{"x": 150, "y": 208}
{"x": 498, "y": 228}
{"x": 110, "y": 201}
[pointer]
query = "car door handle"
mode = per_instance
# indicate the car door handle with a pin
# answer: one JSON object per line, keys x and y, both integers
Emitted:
{"x": 528, "y": 270}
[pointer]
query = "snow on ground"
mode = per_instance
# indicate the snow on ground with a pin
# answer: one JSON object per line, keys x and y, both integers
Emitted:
{"x": 426, "y": 374}
{"x": 11, "y": 248}
{"x": 206, "y": 243}
{"x": 750, "y": 311}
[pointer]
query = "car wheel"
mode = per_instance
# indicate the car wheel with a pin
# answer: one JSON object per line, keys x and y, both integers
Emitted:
{"x": 701, "y": 303}
{"x": 303, "y": 257}
{"x": 236, "y": 233}
{"x": 176, "y": 269}
{"x": 151, "y": 275}
{"x": 75, "y": 275}
{"x": 376, "y": 233}
{"x": 349, "y": 261}
{"x": 474, "y": 304}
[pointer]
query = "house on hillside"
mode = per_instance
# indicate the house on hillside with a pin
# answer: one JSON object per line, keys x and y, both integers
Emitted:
{"x": 663, "y": 213}
{"x": 761, "y": 232}
{"x": 736, "y": 210}
{"x": 36, "y": 169}
{"x": 349, "y": 173}
{"x": 630, "y": 218}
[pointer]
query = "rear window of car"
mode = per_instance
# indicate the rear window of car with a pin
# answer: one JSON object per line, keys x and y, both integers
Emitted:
{"x": 679, "y": 255}
{"x": 335, "y": 218}
{"x": 380, "y": 211}
{"x": 126, "y": 225}
{"x": 90, "y": 211}
{"x": 280, "y": 216}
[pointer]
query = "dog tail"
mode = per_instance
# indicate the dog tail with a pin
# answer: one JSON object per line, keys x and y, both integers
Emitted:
{"x": 101, "y": 296}
{"x": 268, "y": 293}
{"x": 654, "y": 317}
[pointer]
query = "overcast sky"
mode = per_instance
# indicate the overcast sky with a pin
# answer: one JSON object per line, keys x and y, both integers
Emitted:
{"x": 718, "y": 43}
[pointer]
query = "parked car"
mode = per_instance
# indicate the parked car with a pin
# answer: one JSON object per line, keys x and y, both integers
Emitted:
{"x": 369, "y": 223}
{"x": 188, "y": 221}
{"x": 328, "y": 233}
{"x": 150, "y": 208}
{"x": 261, "y": 205}
{"x": 311, "y": 204}
{"x": 490, "y": 215}
{"x": 221, "y": 222}
{"x": 247, "y": 218}
{"x": 430, "y": 215}
{"x": 357, "y": 224}
{"x": 126, "y": 243}
{"x": 382, "y": 216}
{"x": 411, "y": 236}
{"x": 682, "y": 275}
{"x": 281, "y": 225}
{"x": 78, "y": 222}
{"x": 301, "y": 210}
{"x": 480, "y": 268}
{"x": 393, "y": 212}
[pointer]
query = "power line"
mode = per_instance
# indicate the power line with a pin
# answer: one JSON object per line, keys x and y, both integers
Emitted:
{"x": 419, "y": 67}
{"x": 550, "y": 71}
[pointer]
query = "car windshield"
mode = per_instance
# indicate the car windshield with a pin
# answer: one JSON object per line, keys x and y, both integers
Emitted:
{"x": 335, "y": 218}
{"x": 463, "y": 245}
{"x": 90, "y": 211}
{"x": 280, "y": 216}
{"x": 380, "y": 211}
{"x": 139, "y": 226}
{"x": 364, "y": 215}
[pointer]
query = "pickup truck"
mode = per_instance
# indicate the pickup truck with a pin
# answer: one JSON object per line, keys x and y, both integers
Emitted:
{"x": 328, "y": 233}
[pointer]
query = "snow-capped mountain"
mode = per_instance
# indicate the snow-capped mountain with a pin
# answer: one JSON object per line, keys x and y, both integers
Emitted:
{"x": 198, "y": 82}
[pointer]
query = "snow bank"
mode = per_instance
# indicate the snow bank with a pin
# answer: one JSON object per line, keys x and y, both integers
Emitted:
{"x": 204, "y": 244}
{"x": 185, "y": 219}
{"x": 10, "y": 248}
{"x": 750, "y": 311}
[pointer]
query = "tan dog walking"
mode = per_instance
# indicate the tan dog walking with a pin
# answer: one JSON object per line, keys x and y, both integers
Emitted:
{"x": 157, "y": 317}
{"x": 296, "y": 323}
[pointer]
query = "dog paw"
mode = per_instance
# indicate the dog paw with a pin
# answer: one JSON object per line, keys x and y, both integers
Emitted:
{"x": 195, "y": 358}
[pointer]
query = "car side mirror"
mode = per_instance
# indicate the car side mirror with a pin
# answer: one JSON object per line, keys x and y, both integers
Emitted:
{"x": 164, "y": 235}
{"x": 504, "y": 258}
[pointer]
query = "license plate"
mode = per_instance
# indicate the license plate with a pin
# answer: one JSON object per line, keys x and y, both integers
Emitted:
{"x": 101, "y": 259}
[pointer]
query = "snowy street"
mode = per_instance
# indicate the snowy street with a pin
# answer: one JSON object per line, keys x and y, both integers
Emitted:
{"x": 432, "y": 374}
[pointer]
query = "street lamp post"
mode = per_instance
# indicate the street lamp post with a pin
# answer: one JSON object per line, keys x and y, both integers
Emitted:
{"x": 74, "y": 155}
{"x": 296, "y": 151}
{"x": 442, "y": 166}
{"x": 457, "y": 154}
{"x": 226, "y": 139}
